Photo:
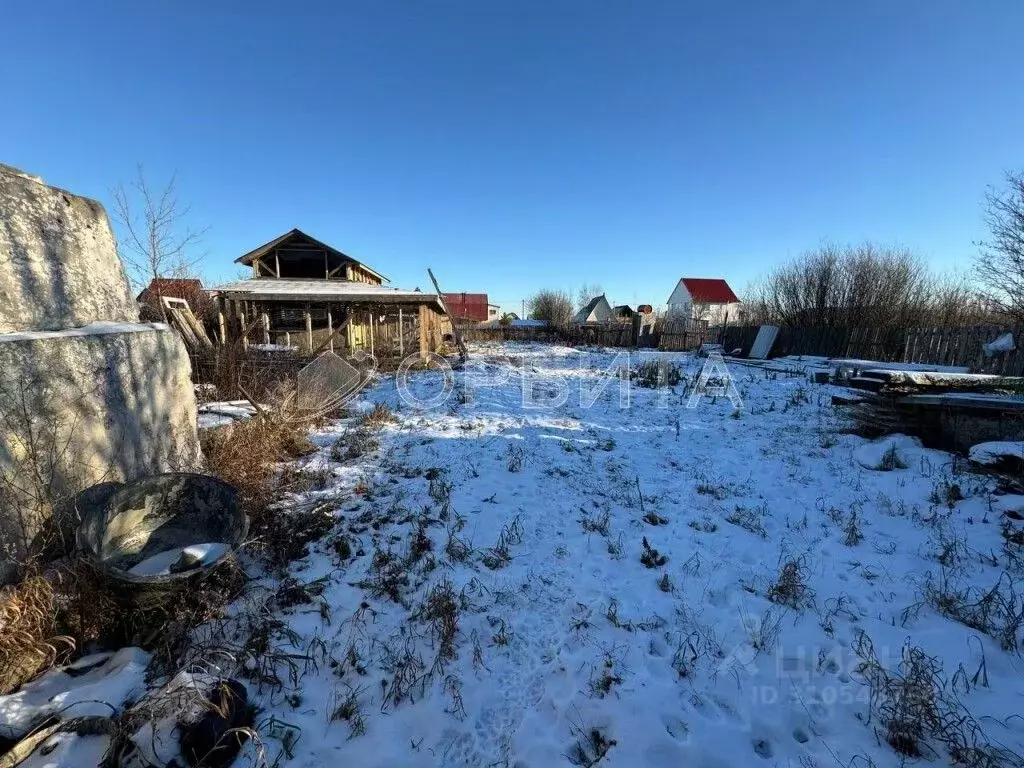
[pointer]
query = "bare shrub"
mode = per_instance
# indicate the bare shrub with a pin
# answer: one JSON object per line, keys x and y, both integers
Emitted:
{"x": 247, "y": 455}
{"x": 552, "y": 307}
{"x": 860, "y": 286}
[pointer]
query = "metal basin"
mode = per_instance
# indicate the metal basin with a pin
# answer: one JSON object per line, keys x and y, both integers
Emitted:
{"x": 158, "y": 529}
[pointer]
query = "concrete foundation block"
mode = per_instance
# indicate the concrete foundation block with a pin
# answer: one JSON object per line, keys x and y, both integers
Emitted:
{"x": 106, "y": 402}
{"x": 61, "y": 268}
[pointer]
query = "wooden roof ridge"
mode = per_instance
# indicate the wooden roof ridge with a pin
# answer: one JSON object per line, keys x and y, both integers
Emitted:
{"x": 263, "y": 250}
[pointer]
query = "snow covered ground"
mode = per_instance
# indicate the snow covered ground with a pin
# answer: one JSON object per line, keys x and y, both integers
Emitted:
{"x": 538, "y": 573}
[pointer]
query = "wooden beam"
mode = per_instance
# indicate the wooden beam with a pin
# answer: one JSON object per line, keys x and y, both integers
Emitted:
{"x": 401, "y": 335}
{"x": 266, "y": 328}
{"x": 463, "y": 352}
{"x": 309, "y": 329}
{"x": 277, "y": 262}
{"x": 344, "y": 324}
{"x": 330, "y": 328}
{"x": 222, "y": 327}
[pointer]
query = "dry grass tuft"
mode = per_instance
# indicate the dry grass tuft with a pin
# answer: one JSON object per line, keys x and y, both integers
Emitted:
{"x": 790, "y": 588}
{"x": 247, "y": 455}
{"x": 29, "y": 641}
{"x": 379, "y": 416}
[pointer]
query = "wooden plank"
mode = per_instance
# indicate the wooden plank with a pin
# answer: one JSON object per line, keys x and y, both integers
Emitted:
{"x": 463, "y": 352}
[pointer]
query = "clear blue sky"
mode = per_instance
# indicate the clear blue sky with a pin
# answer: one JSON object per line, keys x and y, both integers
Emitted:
{"x": 519, "y": 145}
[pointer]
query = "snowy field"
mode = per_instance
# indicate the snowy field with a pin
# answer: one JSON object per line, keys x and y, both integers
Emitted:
{"x": 538, "y": 573}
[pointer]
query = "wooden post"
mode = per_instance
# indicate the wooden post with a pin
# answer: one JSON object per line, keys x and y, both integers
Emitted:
{"x": 371, "y": 332}
{"x": 277, "y": 263}
{"x": 245, "y": 331}
{"x": 288, "y": 339}
{"x": 222, "y": 327}
{"x": 309, "y": 330}
{"x": 401, "y": 333}
{"x": 266, "y": 328}
{"x": 424, "y": 338}
{"x": 330, "y": 327}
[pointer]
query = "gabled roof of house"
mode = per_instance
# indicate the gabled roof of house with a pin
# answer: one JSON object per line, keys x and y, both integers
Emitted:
{"x": 622, "y": 309}
{"x": 299, "y": 236}
{"x": 709, "y": 290}
{"x": 583, "y": 314}
{"x": 467, "y": 306}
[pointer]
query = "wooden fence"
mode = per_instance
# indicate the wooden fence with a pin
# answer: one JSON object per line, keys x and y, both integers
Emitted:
{"x": 684, "y": 335}
{"x": 616, "y": 334}
{"x": 932, "y": 346}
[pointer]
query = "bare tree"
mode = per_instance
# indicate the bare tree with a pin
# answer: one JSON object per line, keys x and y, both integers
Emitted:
{"x": 586, "y": 293}
{"x": 1000, "y": 262}
{"x": 155, "y": 240}
{"x": 553, "y": 307}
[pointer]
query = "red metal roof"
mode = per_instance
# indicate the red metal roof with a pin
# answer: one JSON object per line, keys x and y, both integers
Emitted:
{"x": 466, "y": 306}
{"x": 709, "y": 290}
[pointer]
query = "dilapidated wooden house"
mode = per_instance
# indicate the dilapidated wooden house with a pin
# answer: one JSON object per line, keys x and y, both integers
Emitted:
{"x": 309, "y": 296}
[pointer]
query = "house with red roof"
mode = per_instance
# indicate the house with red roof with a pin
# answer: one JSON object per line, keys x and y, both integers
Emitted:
{"x": 702, "y": 298}
{"x": 470, "y": 307}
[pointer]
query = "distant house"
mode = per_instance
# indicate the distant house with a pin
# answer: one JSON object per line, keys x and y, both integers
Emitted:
{"x": 309, "y": 296}
{"x": 623, "y": 313}
{"x": 467, "y": 307}
{"x": 493, "y": 311}
{"x": 597, "y": 310}
{"x": 187, "y": 289}
{"x": 702, "y": 298}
